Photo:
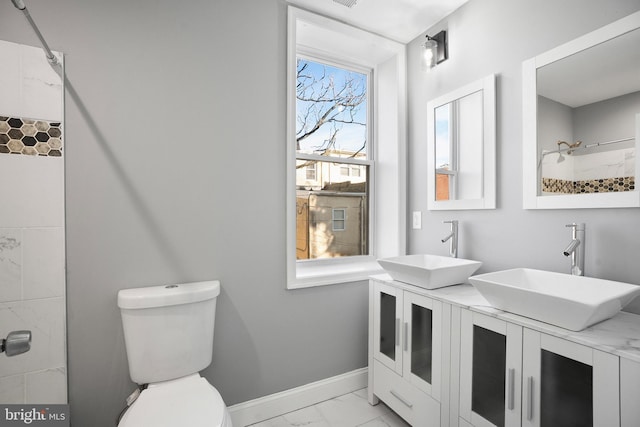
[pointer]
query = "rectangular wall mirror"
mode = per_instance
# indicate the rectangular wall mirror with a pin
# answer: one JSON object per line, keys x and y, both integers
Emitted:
{"x": 462, "y": 147}
{"x": 581, "y": 121}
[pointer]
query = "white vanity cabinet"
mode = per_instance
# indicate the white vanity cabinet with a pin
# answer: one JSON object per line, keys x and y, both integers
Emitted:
{"x": 406, "y": 344}
{"x": 511, "y": 375}
{"x": 629, "y": 393}
{"x": 445, "y": 358}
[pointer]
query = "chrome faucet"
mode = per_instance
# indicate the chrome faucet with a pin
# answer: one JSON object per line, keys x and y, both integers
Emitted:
{"x": 453, "y": 238}
{"x": 576, "y": 248}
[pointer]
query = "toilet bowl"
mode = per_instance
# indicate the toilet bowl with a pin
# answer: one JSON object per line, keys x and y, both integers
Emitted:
{"x": 168, "y": 332}
{"x": 190, "y": 401}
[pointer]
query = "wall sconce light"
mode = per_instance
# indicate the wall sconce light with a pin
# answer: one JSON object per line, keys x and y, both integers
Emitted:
{"x": 434, "y": 50}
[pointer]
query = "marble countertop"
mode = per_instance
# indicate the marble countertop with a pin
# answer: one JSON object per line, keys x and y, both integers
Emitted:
{"x": 619, "y": 335}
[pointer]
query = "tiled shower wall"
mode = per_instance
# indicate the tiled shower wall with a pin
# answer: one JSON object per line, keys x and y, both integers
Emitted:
{"x": 604, "y": 172}
{"x": 32, "y": 260}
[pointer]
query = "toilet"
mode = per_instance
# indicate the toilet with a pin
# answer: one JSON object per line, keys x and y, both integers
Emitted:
{"x": 168, "y": 332}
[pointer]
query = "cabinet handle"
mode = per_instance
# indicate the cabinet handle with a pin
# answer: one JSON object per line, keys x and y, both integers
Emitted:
{"x": 397, "y": 332}
{"x": 401, "y": 399}
{"x": 529, "y": 398}
{"x": 406, "y": 336}
{"x": 511, "y": 388}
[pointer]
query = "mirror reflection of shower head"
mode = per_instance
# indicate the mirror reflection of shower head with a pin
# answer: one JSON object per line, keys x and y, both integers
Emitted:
{"x": 570, "y": 147}
{"x": 19, "y": 4}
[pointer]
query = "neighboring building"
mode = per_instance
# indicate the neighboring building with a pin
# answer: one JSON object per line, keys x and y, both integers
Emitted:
{"x": 331, "y": 224}
{"x": 313, "y": 175}
{"x": 332, "y": 209}
{"x": 442, "y": 186}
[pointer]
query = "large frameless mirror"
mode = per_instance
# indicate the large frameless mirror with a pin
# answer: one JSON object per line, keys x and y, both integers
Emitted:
{"x": 581, "y": 121}
{"x": 461, "y": 148}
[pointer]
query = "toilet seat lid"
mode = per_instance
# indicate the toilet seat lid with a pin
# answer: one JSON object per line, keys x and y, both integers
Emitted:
{"x": 189, "y": 401}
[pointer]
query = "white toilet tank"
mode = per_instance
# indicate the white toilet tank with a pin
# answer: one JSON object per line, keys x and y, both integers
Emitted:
{"x": 168, "y": 330}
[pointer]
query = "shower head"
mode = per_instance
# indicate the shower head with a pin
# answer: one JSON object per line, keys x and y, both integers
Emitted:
{"x": 19, "y": 4}
{"x": 570, "y": 147}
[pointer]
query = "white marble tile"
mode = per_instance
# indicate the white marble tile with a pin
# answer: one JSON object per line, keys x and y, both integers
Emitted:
{"x": 551, "y": 168}
{"x": 12, "y": 389}
{"x": 10, "y": 80}
{"x": 30, "y": 88}
{"x": 630, "y": 162}
{"x": 43, "y": 263}
{"x": 45, "y": 319}
{"x": 310, "y": 417}
{"x": 10, "y": 264}
{"x": 41, "y": 86}
{"x": 274, "y": 422}
{"x": 49, "y": 338}
{"x": 349, "y": 410}
{"x": 33, "y": 191}
{"x": 390, "y": 420}
{"x": 48, "y": 386}
{"x": 607, "y": 164}
{"x": 12, "y": 319}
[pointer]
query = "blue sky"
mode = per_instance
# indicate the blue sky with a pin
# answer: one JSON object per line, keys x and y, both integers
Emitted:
{"x": 351, "y": 136}
{"x": 442, "y": 135}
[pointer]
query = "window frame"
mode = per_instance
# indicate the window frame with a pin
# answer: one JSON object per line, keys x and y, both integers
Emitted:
{"x": 319, "y": 57}
{"x": 387, "y": 201}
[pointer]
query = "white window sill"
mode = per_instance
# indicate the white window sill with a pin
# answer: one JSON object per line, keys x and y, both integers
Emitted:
{"x": 320, "y": 273}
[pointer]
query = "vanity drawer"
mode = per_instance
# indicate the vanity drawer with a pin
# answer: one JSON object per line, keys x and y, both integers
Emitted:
{"x": 416, "y": 407}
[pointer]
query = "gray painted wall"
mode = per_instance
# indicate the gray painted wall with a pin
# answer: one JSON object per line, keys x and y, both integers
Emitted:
{"x": 175, "y": 172}
{"x": 617, "y": 119}
{"x": 495, "y": 36}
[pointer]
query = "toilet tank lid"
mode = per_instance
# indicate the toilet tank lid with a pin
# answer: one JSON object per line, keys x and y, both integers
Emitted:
{"x": 166, "y": 295}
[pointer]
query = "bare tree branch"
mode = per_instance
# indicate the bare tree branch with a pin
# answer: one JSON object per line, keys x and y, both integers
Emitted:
{"x": 326, "y": 103}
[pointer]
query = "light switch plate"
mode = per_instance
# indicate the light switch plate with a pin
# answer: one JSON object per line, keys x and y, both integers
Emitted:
{"x": 417, "y": 220}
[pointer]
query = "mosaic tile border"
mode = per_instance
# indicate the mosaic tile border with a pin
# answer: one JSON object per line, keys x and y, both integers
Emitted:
{"x": 605, "y": 185}
{"x": 30, "y": 137}
{"x": 560, "y": 186}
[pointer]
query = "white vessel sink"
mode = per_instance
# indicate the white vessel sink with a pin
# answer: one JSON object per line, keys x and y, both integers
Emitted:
{"x": 429, "y": 271}
{"x": 571, "y": 302}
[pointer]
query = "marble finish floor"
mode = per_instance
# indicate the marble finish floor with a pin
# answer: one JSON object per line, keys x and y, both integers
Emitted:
{"x": 349, "y": 410}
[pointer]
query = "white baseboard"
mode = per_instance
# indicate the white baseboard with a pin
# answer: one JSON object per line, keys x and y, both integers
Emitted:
{"x": 266, "y": 407}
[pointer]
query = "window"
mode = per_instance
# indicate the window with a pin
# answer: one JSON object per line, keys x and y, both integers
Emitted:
{"x": 338, "y": 218}
{"x": 332, "y": 135}
{"x": 446, "y": 159}
{"x": 346, "y": 100}
{"x": 458, "y": 146}
{"x": 311, "y": 171}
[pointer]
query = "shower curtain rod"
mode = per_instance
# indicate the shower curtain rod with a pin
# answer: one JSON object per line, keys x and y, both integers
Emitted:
{"x": 19, "y": 4}
{"x": 595, "y": 144}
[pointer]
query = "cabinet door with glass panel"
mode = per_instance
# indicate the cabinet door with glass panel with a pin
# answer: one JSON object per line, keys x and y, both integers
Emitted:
{"x": 422, "y": 340}
{"x": 567, "y": 384}
{"x": 387, "y": 321}
{"x": 408, "y": 336}
{"x": 490, "y": 371}
{"x": 514, "y": 376}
